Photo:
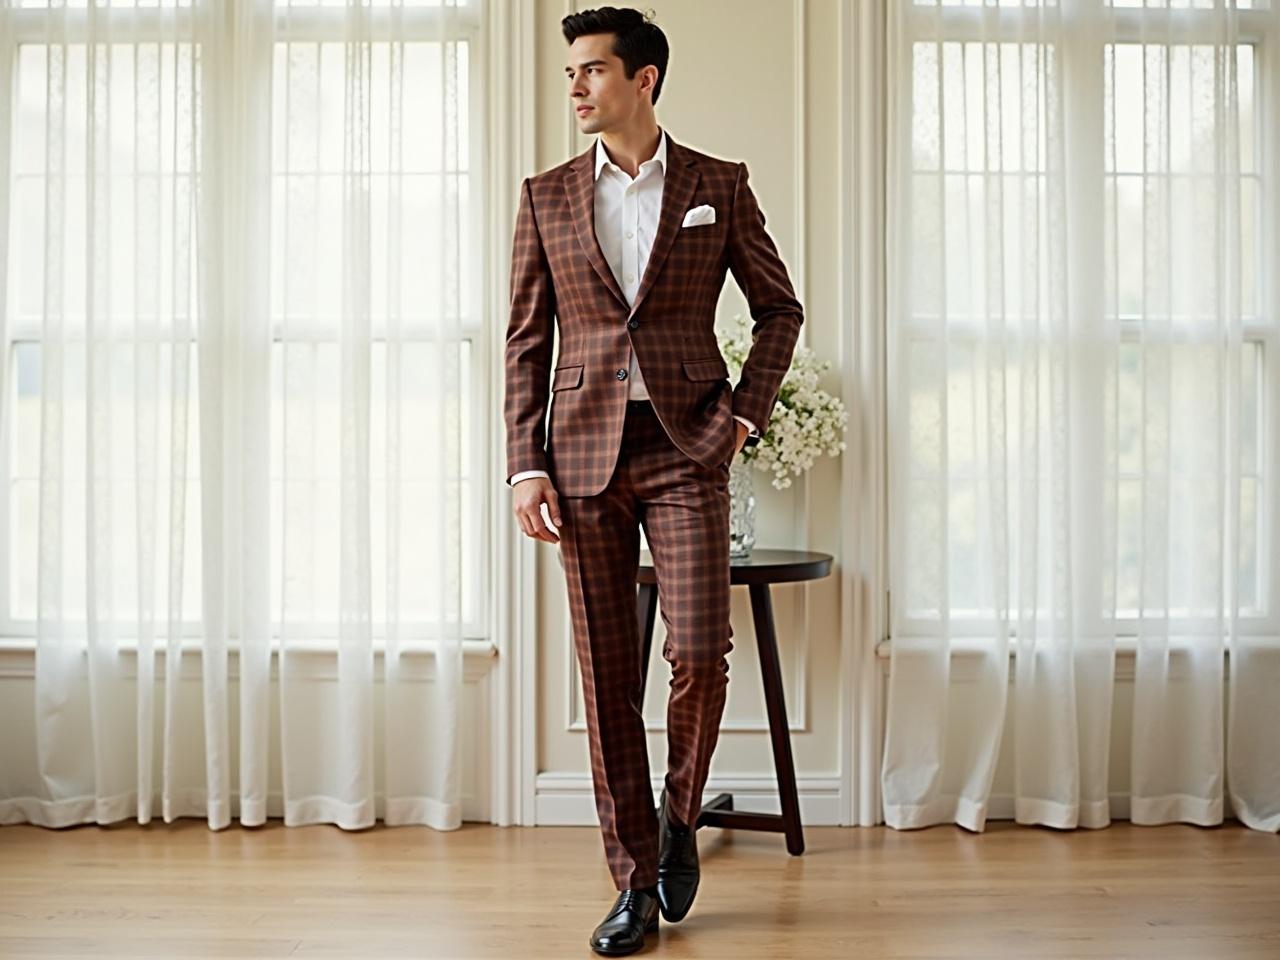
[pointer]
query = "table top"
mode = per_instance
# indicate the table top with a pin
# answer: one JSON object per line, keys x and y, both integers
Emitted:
{"x": 762, "y": 566}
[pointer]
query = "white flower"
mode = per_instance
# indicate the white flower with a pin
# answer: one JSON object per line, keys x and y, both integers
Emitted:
{"x": 806, "y": 421}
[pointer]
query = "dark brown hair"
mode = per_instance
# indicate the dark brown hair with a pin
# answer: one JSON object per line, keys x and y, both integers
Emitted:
{"x": 637, "y": 41}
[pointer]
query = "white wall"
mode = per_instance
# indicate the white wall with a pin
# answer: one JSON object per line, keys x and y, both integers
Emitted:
{"x": 750, "y": 80}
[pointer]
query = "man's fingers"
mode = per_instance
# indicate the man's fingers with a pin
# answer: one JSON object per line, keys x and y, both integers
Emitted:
{"x": 553, "y": 506}
{"x": 525, "y": 526}
{"x": 528, "y": 509}
{"x": 526, "y": 523}
{"x": 531, "y": 523}
{"x": 544, "y": 533}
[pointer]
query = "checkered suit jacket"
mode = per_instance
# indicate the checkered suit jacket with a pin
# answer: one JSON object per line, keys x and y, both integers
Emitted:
{"x": 558, "y": 270}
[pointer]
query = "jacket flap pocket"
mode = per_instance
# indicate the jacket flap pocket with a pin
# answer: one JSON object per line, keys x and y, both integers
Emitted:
{"x": 709, "y": 368}
{"x": 567, "y": 377}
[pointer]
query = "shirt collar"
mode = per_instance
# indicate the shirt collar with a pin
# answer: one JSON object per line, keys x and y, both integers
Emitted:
{"x": 661, "y": 155}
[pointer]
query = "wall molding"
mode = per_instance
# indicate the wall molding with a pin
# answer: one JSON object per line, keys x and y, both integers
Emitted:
{"x": 318, "y": 662}
{"x": 967, "y": 654}
{"x": 863, "y": 241}
{"x": 795, "y": 628}
{"x": 798, "y": 630}
{"x": 797, "y": 698}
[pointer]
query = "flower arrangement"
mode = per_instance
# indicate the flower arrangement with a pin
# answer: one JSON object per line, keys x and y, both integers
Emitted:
{"x": 806, "y": 422}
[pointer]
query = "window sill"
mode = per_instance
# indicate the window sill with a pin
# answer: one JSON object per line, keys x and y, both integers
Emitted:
{"x": 970, "y": 656}
{"x": 981, "y": 646}
{"x": 310, "y": 659}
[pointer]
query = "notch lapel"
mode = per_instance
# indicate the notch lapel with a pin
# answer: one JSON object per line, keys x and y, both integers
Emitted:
{"x": 677, "y": 190}
{"x": 580, "y": 189}
{"x": 678, "y": 183}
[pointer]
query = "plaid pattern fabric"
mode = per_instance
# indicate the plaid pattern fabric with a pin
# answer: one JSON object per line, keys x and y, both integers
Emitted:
{"x": 684, "y": 509}
{"x": 559, "y": 272}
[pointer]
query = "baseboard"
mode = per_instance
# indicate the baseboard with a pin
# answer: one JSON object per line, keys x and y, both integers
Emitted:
{"x": 568, "y": 799}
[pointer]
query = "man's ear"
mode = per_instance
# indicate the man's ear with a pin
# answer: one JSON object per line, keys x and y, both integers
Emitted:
{"x": 652, "y": 73}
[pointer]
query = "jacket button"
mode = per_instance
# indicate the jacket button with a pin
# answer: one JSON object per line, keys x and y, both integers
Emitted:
{"x": 621, "y": 374}
{"x": 632, "y": 323}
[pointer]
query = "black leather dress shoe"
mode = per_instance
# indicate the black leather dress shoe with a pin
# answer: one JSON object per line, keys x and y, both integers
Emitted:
{"x": 678, "y": 870}
{"x": 622, "y": 931}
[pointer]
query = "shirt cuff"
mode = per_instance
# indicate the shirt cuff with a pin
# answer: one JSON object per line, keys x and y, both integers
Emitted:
{"x": 751, "y": 427}
{"x": 526, "y": 474}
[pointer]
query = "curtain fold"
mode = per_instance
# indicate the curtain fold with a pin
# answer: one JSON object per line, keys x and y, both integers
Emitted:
{"x": 249, "y": 381}
{"x": 1083, "y": 366}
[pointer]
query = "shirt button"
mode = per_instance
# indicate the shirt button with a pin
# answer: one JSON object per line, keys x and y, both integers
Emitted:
{"x": 630, "y": 278}
{"x": 632, "y": 324}
{"x": 621, "y": 374}
{"x": 630, "y": 234}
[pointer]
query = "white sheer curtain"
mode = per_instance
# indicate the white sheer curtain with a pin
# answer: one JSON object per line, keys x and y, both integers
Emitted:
{"x": 1085, "y": 387}
{"x": 240, "y": 317}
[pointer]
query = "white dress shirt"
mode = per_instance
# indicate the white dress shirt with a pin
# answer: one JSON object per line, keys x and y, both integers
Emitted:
{"x": 626, "y": 220}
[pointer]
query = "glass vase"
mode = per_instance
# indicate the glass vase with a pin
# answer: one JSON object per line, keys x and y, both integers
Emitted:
{"x": 742, "y": 509}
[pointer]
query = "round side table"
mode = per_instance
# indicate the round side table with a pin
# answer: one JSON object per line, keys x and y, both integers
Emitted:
{"x": 757, "y": 572}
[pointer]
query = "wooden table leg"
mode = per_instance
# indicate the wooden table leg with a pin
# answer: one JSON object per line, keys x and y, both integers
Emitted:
{"x": 775, "y": 702}
{"x": 718, "y": 811}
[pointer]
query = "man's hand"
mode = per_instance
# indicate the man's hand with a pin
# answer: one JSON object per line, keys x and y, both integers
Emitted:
{"x": 742, "y": 436}
{"x": 530, "y": 494}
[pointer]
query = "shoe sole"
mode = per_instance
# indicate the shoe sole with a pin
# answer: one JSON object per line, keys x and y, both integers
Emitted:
{"x": 648, "y": 928}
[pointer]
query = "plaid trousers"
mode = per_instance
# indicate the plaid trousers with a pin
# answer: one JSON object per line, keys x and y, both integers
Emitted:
{"x": 683, "y": 507}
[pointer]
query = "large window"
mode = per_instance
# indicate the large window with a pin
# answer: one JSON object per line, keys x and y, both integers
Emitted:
{"x": 1045, "y": 138}
{"x": 117, "y": 135}
{"x": 417, "y": 166}
{"x": 132, "y": 280}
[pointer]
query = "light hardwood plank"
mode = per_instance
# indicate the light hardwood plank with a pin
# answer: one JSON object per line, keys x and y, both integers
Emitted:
{"x": 180, "y": 890}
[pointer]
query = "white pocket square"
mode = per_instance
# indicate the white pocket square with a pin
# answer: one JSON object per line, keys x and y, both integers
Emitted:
{"x": 700, "y": 215}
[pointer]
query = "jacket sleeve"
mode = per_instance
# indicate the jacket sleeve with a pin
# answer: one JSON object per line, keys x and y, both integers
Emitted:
{"x": 762, "y": 277}
{"x": 527, "y": 361}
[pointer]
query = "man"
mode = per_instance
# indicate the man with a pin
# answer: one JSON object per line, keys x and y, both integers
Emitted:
{"x": 627, "y": 246}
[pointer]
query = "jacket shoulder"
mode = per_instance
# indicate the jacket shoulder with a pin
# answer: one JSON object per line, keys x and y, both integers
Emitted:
{"x": 708, "y": 163}
{"x": 550, "y": 178}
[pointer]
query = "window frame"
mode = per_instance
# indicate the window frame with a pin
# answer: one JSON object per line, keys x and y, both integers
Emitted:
{"x": 933, "y": 22}
{"x": 468, "y": 22}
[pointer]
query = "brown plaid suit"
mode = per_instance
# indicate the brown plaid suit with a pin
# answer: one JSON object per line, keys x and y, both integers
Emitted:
{"x": 618, "y": 465}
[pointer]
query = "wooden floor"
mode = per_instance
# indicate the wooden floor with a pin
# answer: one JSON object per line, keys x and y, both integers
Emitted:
{"x": 181, "y": 890}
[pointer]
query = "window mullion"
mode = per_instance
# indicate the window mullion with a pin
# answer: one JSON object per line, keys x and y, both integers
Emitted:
{"x": 1083, "y": 133}
{"x": 236, "y": 207}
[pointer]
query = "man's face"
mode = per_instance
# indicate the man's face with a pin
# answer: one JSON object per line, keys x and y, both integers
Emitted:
{"x": 597, "y": 80}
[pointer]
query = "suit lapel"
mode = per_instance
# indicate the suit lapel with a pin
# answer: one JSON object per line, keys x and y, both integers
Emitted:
{"x": 677, "y": 190}
{"x": 580, "y": 188}
{"x": 679, "y": 182}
